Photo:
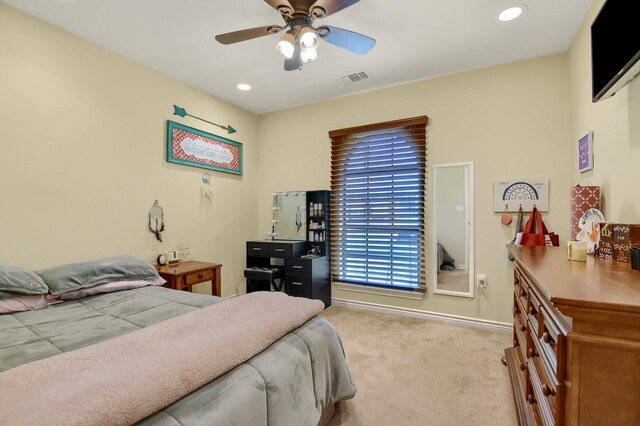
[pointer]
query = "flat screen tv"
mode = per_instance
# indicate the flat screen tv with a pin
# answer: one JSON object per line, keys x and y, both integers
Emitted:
{"x": 615, "y": 47}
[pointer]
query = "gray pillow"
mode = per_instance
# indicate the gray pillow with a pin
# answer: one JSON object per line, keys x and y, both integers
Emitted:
{"x": 16, "y": 280}
{"x": 76, "y": 276}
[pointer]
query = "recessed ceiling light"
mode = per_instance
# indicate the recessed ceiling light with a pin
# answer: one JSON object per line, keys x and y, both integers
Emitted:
{"x": 243, "y": 86}
{"x": 511, "y": 13}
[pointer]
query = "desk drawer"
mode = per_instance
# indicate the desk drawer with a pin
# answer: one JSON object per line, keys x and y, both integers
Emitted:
{"x": 298, "y": 267}
{"x": 198, "y": 277}
{"x": 281, "y": 250}
{"x": 256, "y": 249}
{"x": 297, "y": 284}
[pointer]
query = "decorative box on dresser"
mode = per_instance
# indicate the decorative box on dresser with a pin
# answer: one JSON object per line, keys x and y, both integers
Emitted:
{"x": 575, "y": 358}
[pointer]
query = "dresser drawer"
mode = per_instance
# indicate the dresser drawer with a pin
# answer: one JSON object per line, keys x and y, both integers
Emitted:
{"x": 551, "y": 341}
{"x": 198, "y": 277}
{"x": 533, "y": 312}
{"x": 541, "y": 396}
{"x": 520, "y": 338}
{"x": 521, "y": 290}
{"x": 256, "y": 249}
{"x": 298, "y": 284}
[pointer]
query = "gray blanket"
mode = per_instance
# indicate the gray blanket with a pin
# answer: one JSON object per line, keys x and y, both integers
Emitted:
{"x": 290, "y": 383}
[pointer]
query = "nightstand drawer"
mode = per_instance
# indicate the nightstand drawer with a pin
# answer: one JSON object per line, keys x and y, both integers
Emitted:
{"x": 297, "y": 284}
{"x": 198, "y": 277}
{"x": 256, "y": 249}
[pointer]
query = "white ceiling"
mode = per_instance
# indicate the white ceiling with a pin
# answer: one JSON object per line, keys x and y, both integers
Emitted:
{"x": 416, "y": 39}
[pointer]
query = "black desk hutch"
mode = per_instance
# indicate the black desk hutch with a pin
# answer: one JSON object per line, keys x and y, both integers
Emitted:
{"x": 308, "y": 277}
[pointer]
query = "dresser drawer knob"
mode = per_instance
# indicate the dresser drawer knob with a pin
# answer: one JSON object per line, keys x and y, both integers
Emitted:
{"x": 547, "y": 339}
{"x": 532, "y": 310}
{"x": 522, "y": 366}
{"x": 523, "y": 293}
{"x": 523, "y": 327}
{"x": 532, "y": 353}
{"x": 531, "y": 399}
{"x": 516, "y": 280}
{"x": 546, "y": 391}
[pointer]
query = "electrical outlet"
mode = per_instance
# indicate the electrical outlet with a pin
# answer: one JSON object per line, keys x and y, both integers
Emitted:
{"x": 481, "y": 280}
{"x": 184, "y": 252}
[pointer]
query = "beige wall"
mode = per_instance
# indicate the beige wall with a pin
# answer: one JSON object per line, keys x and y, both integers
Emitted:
{"x": 82, "y": 143}
{"x": 82, "y": 136}
{"x": 511, "y": 120}
{"x": 615, "y": 123}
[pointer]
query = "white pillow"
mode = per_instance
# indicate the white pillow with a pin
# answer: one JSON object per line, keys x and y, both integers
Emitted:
{"x": 109, "y": 287}
{"x": 23, "y": 302}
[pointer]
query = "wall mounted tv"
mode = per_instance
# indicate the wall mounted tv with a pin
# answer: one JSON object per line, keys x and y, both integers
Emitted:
{"x": 615, "y": 48}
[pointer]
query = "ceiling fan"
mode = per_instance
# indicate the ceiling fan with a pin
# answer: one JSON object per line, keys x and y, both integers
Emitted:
{"x": 299, "y": 44}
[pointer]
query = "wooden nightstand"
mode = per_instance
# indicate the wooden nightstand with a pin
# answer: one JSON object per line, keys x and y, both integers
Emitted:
{"x": 184, "y": 275}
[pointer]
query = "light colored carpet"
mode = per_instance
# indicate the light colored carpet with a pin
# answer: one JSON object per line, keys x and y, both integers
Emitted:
{"x": 457, "y": 280}
{"x": 418, "y": 372}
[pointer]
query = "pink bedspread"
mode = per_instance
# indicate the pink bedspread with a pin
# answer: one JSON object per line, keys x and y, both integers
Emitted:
{"x": 123, "y": 380}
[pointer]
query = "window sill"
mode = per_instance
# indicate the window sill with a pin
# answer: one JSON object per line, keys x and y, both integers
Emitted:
{"x": 390, "y": 292}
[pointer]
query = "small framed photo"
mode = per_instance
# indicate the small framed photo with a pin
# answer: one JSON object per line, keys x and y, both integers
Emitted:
{"x": 585, "y": 152}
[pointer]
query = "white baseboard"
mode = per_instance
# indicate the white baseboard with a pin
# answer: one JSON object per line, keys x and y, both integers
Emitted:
{"x": 426, "y": 315}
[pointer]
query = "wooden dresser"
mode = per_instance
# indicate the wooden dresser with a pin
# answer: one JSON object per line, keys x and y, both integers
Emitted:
{"x": 575, "y": 358}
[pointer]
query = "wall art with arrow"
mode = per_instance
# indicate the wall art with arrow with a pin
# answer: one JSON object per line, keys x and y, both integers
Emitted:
{"x": 193, "y": 147}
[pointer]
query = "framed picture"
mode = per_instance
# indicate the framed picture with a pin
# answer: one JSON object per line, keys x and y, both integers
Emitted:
{"x": 193, "y": 147}
{"x": 510, "y": 195}
{"x": 585, "y": 152}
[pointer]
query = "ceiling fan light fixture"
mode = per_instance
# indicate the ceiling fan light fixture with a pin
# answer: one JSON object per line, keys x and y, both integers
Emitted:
{"x": 308, "y": 39}
{"x": 308, "y": 56}
{"x": 286, "y": 45}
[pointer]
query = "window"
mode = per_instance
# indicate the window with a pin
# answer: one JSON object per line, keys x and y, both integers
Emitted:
{"x": 377, "y": 204}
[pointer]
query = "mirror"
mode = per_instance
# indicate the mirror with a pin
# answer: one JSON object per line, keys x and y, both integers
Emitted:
{"x": 453, "y": 230}
{"x": 289, "y": 216}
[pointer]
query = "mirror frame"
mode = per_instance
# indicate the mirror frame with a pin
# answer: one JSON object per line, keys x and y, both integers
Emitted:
{"x": 277, "y": 216}
{"x": 469, "y": 197}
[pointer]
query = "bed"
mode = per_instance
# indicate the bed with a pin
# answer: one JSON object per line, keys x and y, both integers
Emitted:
{"x": 296, "y": 380}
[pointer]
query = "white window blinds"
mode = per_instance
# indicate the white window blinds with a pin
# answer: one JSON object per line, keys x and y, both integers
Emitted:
{"x": 378, "y": 203}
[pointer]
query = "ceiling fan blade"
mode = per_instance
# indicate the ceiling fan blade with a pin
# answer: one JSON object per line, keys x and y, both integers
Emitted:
{"x": 355, "y": 42}
{"x": 248, "y": 34}
{"x": 324, "y": 8}
{"x": 295, "y": 63}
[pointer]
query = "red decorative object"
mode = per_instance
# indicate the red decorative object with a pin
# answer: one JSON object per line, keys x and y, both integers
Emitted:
{"x": 583, "y": 198}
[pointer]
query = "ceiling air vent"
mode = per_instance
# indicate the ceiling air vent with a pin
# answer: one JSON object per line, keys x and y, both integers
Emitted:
{"x": 354, "y": 78}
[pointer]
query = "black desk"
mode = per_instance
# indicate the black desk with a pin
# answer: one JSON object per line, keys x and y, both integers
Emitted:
{"x": 303, "y": 277}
